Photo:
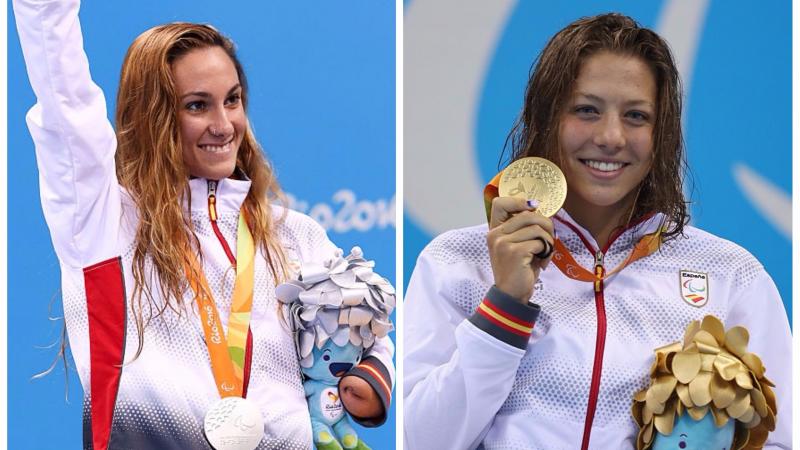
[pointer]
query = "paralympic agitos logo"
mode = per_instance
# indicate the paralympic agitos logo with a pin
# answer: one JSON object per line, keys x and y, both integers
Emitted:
{"x": 694, "y": 287}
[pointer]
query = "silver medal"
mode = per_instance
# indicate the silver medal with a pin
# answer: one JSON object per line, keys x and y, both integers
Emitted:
{"x": 233, "y": 423}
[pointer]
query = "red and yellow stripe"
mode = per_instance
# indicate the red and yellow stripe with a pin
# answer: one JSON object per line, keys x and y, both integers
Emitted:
{"x": 376, "y": 374}
{"x": 504, "y": 320}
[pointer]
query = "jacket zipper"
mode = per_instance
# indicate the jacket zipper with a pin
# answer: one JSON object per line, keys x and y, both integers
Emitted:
{"x": 599, "y": 347}
{"x": 212, "y": 216}
{"x": 600, "y": 340}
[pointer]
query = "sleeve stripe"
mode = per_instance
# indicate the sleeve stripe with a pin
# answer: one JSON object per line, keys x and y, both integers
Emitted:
{"x": 498, "y": 319}
{"x": 377, "y": 375}
{"x": 105, "y": 305}
{"x": 488, "y": 303}
{"x": 506, "y": 318}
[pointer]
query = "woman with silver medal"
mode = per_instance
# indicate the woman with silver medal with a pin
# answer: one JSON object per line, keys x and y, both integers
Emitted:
{"x": 171, "y": 245}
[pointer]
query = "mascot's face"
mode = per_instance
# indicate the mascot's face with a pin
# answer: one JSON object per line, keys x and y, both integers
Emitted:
{"x": 331, "y": 361}
{"x": 690, "y": 434}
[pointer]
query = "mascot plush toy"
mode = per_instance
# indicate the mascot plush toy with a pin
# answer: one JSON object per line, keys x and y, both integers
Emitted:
{"x": 707, "y": 392}
{"x": 336, "y": 311}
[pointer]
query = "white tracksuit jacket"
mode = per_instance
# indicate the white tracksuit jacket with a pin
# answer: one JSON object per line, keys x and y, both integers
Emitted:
{"x": 469, "y": 383}
{"x": 159, "y": 400}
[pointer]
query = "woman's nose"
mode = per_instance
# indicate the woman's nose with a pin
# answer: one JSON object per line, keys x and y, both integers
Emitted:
{"x": 221, "y": 125}
{"x": 610, "y": 133}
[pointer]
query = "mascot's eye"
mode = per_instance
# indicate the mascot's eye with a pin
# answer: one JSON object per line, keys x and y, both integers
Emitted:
{"x": 326, "y": 357}
{"x": 682, "y": 444}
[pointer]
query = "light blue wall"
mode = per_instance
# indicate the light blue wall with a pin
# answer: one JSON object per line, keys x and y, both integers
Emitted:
{"x": 322, "y": 80}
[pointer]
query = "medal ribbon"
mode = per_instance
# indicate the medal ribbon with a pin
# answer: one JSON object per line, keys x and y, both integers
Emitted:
{"x": 227, "y": 355}
{"x": 563, "y": 259}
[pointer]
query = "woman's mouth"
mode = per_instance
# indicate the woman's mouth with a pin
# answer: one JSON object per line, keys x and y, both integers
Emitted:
{"x": 224, "y": 148}
{"x": 603, "y": 166}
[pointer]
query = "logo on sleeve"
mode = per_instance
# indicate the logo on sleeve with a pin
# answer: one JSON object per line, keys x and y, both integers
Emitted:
{"x": 694, "y": 287}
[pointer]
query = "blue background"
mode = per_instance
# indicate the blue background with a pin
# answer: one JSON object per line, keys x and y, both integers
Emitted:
{"x": 737, "y": 111}
{"x": 322, "y": 103}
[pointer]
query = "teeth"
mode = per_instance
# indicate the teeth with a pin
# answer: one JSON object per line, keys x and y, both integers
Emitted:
{"x": 216, "y": 148}
{"x": 603, "y": 166}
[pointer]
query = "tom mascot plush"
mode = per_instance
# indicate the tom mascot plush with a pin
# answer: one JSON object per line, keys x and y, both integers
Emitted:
{"x": 336, "y": 311}
{"x": 707, "y": 392}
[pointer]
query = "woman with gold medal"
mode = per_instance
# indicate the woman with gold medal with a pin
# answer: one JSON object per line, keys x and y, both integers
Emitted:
{"x": 537, "y": 331}
{"x": 171, "y": 244}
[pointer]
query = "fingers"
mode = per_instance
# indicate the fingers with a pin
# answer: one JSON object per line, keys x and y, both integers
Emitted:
{"x": 523, "y": 250}
{"x": 520, "y": 241}
{"x": 526, "y": 225}
{"x": 512, "y": 214}
{"x": 529, "y": 226}
{"x": 548, "y": 250}
{"x": 505, "y": 207}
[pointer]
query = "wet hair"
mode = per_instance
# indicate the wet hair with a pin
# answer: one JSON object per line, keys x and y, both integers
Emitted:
{"x": 150, "y": 166}
{"x": 551, "y": 84}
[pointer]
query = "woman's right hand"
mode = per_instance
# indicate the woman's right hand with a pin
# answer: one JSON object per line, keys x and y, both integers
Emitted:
{"x": 513, "y": 242}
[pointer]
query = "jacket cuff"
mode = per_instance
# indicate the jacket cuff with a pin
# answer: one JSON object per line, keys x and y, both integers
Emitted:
{"x": 372, "y": 370}
{"x": 505, "y": 318}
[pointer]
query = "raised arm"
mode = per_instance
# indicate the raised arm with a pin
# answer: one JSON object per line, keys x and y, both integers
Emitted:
{"x": 74, "y": 141}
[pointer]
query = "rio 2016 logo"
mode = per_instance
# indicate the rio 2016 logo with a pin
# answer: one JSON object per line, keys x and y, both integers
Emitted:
{"x": 347, "y": 213}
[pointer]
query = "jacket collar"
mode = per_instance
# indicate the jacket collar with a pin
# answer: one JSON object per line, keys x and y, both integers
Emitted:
{"x": 566, "y": 226}
{"x": 230, "y": 194}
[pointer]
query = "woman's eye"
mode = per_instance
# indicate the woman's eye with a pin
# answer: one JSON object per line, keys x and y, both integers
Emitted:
{"x": 637, "y": 116}
{"x": 233, "y": 99}
{"x": 196, "y": 106}
{"x": 586, "y": 109}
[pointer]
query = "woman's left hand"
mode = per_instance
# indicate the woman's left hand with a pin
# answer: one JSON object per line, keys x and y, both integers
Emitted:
{"x": 359, "y": 399}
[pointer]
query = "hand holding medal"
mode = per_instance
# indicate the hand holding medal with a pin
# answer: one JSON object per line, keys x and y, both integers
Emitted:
{"x": 525, "y": 195}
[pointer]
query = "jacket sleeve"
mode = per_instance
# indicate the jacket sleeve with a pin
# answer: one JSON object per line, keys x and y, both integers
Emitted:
{"x": 377, "y": 369}
{"x": 74, "y": 141}
{"x": 759, "y": 308}
{"x": 458, "y": 370}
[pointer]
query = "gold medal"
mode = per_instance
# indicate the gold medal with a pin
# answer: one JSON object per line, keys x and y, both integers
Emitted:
{"x": 535, "y": 178}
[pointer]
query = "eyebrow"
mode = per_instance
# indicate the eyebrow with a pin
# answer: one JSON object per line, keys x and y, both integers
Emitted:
{"x": 598, "y": 99}
{"x": 684, "y": 435}
{"x": 204, "y": 94}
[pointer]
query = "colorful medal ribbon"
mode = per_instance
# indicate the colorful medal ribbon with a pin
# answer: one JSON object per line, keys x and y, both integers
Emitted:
{"x": 490, "y": 192}
{"x": 227, "y": 355}
{"x": 563, "y": 259}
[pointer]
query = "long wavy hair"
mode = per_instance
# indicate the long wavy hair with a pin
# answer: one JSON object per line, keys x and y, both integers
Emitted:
{"x": 551, "y": 83}
{"x": 149, "y": 164}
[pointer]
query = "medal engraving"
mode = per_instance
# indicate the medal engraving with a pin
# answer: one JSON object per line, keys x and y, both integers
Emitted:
{"x": 233, "y": 423}
{"x": 535, "y": 179}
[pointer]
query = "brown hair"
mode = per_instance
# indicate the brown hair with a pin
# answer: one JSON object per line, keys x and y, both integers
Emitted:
{"x": 551, "y": 83}
{"x": 149, "y": 163}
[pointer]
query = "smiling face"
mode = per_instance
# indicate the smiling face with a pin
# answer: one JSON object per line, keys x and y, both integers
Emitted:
{"x": 606, "y": 133}
{"x": 331, "y": 362}
{"x": 211, "y": 116}
{"x": 703, "y": 434}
